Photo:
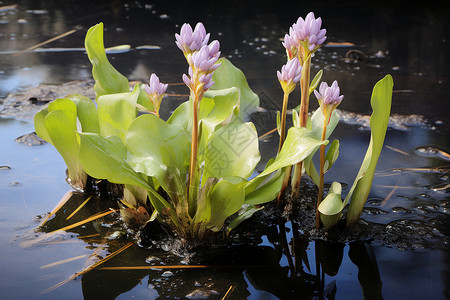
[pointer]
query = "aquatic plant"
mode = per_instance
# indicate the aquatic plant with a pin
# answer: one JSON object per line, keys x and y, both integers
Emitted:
{"x": 304, "y": 39}
{"x": 196, "y": 167}
{"x": 195, "y": 171}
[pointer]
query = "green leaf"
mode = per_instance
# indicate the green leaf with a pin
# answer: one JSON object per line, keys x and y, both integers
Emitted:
{"x": 107, "y": 79}
{"x": 160, "y": 150}
{"x": 86, "y": 112}
{"x": 267, "y": 191}
{"x": 243, "y": 214}
{"x": 226, "y": 199}
{"x": 233, "y": 150}
{"x": 332, "y": 155}
{"x": 331, "y": 207}
{"x": 39, "y": 125}
{"x": 297, "y": 146}
{"x": 116, "y": 112}
{"x": 105, "y": 158}
{"x": 381, "y": 104}
{"x": 143, "y": 98}
{"x": 61, "y": 126}
{"x": 315, "y": 81}
{"x": 226, "y": 76}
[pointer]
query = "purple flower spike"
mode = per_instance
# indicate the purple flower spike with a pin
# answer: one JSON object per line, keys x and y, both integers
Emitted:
{"x": 307, "y": 32}
{"x": 206, "y": 57}
{"x": 329, "y": 95}
{"x": 291, "y": 71}
{"x": 155, "y": 87}
{"x": 290, "y": 74}
{"x": 192, "y": 40}
{"x": 203, "y": 65}
{"x": 155, "y": 91}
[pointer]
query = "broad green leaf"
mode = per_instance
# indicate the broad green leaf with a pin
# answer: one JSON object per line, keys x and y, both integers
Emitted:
{"x": 243, "y": 214}
{"x": 216, "y": 107}
{"x": 160, "y": 150}
{"x": 143, "y": 98}
{"x": 267, "y": 191}
{"x": 105, "y": 158}
{"x": 86, "y": 112}
{"x": 203, "y": 211}
{"x": 116, "y": 112}
{"x": 39, "y": 125}
{"x": 331, "y": 207}
{"x": 332, "y": 155}
{"x": 232, "y": 150}
{"x": 61, "y": 126}
{"x": 220, "y": 109}
{"x": 107, "y": 79}
{"x": 226, "y": 76}
{"x": 297, "y": 146}
{"x": 63, "y": 104}
{"x": 381, "y": 104}
{"x": 226, "y": 199}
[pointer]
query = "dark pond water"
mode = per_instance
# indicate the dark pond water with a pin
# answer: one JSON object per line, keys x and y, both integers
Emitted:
{"x": 410, "y": 195}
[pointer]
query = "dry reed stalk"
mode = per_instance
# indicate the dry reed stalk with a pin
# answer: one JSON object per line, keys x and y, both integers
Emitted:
{"x": 78, "y": 208}
{"x": 45, "y": 42}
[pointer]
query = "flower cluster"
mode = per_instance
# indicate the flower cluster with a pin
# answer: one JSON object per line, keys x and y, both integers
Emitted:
{"x": 202, "y": 58}
{"x": 305, "y": 37}
{"x": 328, "y": 97}
{"x": 155, "y": 91}
{"x": 290, "y": 75}
{"x": 191, "y": 40}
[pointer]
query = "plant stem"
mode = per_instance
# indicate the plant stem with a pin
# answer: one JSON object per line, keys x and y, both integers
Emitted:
{"x": 282, "y": 138}
{"x": 283, "y": 121}
{"x": 303, "y": 117}
{"x": 194, "y": 148}
{"x": 321, "y": 172}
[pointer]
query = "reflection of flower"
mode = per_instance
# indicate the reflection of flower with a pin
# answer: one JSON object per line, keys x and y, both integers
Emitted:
{"x": 305, "y": 35}
{"x": 204, "y": 63}
{"x": 328, "y": 97}
{"x": 192, "y": 40}
{"x": 155, "y": 91}
{"x": 290, "y": 74}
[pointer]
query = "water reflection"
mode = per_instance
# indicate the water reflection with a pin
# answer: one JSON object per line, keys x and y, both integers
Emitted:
{"x": 285, "y": 264}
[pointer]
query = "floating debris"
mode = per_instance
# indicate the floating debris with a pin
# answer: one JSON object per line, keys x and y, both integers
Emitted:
{"x": 148, "y": 47}
{"x": 30, "y": 139}
{"x": 118, "y": 49}
{"x": 201, "y": 294}
{"x": 431, "y": 151}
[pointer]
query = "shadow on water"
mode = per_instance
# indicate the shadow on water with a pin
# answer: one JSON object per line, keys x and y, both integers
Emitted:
{"x": 403, "y": 255}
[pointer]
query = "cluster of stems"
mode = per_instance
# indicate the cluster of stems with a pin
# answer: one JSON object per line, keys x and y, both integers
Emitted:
{"x": 202, "y": 59}
{"x": 304, "y": 39}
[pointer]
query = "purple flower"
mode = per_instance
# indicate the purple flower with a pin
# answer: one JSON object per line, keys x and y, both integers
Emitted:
{"x": 204, "y": 63}
{"x": 155, "y": 91}
{"x": 291, "y": 71}
{"x": 191, "y": 40}
{"x": 329, "y": 95}
{"x": 206, "y": 57}
{"x": 290, "y": 74}
{"x": 155, "y": 87}
{"x": 291, "y": 47}
{"x": 306, "y": 32}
